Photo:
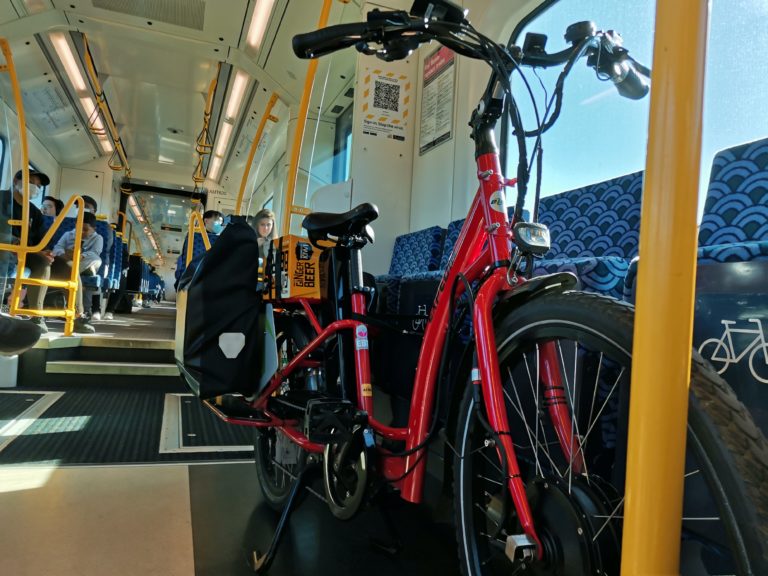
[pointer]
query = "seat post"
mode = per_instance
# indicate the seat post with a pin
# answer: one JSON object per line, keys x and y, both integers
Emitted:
{"x": 356, "y": 269}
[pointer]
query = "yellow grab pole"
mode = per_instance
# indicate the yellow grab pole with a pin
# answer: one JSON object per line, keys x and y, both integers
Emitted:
{"x": 196, "y": 225}
{"x": 301, "y": 122}
{"x": 255, "y": 144}
{"x": 664, "y": 321}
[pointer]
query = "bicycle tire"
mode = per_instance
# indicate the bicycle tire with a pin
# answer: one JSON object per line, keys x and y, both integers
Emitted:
{"x": 724, "y": 444}
{"x": 276, "y": 480}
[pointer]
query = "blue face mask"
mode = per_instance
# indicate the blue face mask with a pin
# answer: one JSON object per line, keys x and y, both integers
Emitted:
{"x": 217, "y": 227}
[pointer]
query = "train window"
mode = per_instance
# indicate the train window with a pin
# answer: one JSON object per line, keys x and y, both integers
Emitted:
{"x": 342, "y": 153}
{"x": 601, "y": 135}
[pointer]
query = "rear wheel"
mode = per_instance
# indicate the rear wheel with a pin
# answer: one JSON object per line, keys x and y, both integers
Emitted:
{"x": 579, "y": 516}
{"x": 278, "y": 459}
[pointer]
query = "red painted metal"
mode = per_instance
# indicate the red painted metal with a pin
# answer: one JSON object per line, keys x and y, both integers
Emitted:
{"x": 311, "y": 315}
{"x": 280, "y": 375}
{"x": 557, "y": 406}
{"x": 362, "y": 358}
{"x": 302, "y": 440}
{"x": 493, "y": 394}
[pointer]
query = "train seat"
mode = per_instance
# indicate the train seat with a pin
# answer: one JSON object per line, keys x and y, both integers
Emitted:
{"x": 595, "y": 232}
{"x": 414, "y": 253}
{"x": 734, "y": 226}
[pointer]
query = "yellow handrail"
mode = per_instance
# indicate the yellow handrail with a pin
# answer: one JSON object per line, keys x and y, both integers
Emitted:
{"x": 203, "y": 145}
{"x": 101, "y": 101}
{"x": 22, "y": 249}
{"x": 298, "y": 136}
{"x": 255, "y": 144}
{"x": 664, "y": 321}
{"x": 196, "y": 224}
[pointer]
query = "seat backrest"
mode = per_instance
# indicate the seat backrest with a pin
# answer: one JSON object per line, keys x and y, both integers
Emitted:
{"x": 736, "y": 208}
{"x": 601, "y": 219}
{"x": 67, "y": 224}
{"x": 451, "y": 236}
{"x": 418, "y": 251}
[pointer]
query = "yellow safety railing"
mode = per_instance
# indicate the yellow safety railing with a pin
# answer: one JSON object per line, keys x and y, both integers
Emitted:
{"x": 22, "y": 249}
{"x": 203, "y": 145}
{"x": 196, "y": 225}
{"x": 665, "y": 281}
{"x": 254, "y": 145}
{"x": 119, "y": 159}
{"x": 293, "y": 170}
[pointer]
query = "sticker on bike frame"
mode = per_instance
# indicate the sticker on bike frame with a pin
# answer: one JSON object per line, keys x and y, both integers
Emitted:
{"x": 367, "y": 390}
{"x": 498, "y": 201}
{"x": 361, "y": 338}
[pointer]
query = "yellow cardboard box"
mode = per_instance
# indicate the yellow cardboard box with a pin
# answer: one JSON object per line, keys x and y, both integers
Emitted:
{"x": 296, "y": 269}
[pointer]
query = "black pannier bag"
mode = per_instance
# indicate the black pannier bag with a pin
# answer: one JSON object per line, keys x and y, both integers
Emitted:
{"x": 225, "y": 336}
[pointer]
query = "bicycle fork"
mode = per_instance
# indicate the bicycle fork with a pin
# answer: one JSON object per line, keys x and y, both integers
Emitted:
{"x": 493, "y": 398}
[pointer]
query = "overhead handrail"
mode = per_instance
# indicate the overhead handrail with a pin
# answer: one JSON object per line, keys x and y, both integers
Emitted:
{"x": 196, "y": 225}
{"x": 203, "y": 144}
{"x": 293, "y": 170}
{"x": 103, "y": 105}
{"x": 22, "y": 248}
{"x": 254, "y": 145}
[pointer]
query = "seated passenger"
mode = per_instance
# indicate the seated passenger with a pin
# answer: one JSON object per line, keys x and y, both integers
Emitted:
{"x": 214, "y": 224}
{"x": 38, "y": 263}
{"x": 90, "y": 204}
{"x": 51, "y": 206}
{"x": 90, "y": 261}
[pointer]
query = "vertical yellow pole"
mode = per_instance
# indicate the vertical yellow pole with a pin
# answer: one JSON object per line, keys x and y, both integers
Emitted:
{"x": 664, "y": 321}
{"x": 255, "y": 144}
{"x": 293, "y": 169}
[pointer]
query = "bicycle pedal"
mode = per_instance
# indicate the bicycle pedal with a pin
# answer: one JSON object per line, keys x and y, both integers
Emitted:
{"x": 329, "y": 420}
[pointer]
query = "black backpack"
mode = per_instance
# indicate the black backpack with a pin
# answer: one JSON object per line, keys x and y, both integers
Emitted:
{"x": 225, "y": 337}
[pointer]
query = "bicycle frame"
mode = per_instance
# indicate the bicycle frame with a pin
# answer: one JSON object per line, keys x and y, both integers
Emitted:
{"x": 482, "y": 253}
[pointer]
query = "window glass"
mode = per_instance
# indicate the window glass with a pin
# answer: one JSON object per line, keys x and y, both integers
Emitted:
{"x": 601, "y": 135}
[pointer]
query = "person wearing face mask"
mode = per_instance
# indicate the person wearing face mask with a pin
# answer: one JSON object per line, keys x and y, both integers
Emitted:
{"x": 214, "y": 224}
{"x": 38, "y": 263}
{"x": 92, "y": 245}
{"x": 51, "y": 206}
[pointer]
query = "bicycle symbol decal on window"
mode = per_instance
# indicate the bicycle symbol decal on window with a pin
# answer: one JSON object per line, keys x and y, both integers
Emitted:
{"x": 721, "y": 352}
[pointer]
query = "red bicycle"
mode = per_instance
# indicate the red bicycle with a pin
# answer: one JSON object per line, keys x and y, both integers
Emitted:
{"x": 535, "y": 406}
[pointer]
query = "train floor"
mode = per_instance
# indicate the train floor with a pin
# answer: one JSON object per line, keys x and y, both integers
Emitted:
{"x": 201, "y": 519}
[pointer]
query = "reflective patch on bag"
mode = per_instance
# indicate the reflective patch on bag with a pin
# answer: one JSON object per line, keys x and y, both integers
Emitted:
{"x": 231, "y": 343}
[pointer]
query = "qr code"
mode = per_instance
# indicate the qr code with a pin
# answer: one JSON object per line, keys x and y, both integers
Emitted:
{"x": 386, "y": 96}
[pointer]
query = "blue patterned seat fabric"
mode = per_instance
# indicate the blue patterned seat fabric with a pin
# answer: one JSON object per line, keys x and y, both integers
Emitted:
{"x": 414, "y": 253}
{"x": 198, "y": 251}
{"x": 595, "y": 231}
{"x": 734, "y": 227}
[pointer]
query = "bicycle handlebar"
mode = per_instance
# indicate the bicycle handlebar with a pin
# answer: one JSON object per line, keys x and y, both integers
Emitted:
{"x": 330, "y": 39}
{"x": 399, "y": 33}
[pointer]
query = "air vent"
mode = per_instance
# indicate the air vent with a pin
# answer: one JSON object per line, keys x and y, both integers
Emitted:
{"x": 186, "y": 13}
{"x": 350, "y": 93}
{"x": 337, "y": 109}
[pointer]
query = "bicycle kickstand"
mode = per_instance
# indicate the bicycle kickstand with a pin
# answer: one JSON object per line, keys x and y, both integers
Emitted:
{"x": 262, "y": 562}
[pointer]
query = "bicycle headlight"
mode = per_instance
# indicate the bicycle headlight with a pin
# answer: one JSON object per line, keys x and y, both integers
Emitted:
{"x": 532, "y": 238}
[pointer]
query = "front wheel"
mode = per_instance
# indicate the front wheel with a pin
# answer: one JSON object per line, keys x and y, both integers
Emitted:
{"x": 578, "y": 516}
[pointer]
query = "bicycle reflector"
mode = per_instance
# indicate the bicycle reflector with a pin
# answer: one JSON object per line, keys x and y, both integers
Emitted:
{"x": 532, "y": 238}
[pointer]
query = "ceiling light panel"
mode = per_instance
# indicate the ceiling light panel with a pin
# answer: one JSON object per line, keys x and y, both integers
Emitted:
{"x": 236, "y": 95}
{"x": 259, "y": 21}
{"x": 63, "y": 50}
{"x": 224, "y": 135}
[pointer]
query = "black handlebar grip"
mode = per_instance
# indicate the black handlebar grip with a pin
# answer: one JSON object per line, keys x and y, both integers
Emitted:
{"x": 330, "y": 39}
{"x": 630, "y": 80}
